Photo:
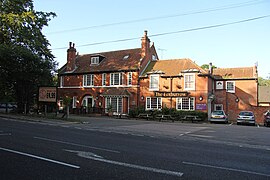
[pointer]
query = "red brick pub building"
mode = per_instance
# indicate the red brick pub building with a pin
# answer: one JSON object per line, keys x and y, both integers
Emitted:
{"x": 131, "y": 78}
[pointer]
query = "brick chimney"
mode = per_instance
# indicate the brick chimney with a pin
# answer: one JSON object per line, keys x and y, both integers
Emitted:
{"x": 145, "y": 45}
{"x": 145, "y": 51}
{"x": 71, "y": 57}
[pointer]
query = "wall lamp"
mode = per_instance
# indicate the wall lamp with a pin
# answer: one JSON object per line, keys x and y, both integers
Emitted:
{"x": 237, "y": 100}
{"x": 142, "y": 97}
{"x": 200, "y": 98}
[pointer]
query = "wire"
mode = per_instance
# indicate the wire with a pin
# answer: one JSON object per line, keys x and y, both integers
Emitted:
{"x": 173, "y": 32}
{"x": 231, "y": 6}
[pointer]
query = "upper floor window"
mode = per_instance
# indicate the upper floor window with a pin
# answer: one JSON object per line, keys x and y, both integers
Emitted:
{"x": 94, "y": 60}
{"x": 154, "y": 83}
{"x": 154, "y": 57}
{"x": 104, "y": 79}
{"x": 61, "y": 81}
{"x": 88, "y": 80}
{"x": 129, "y": 79}
{"x": 230, "y": 86}
{"x": 189, "y": 80}
{"x": 116, "y": 79}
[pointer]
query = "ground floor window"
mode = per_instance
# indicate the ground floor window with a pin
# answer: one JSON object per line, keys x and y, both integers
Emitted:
{"x": 218, "y": 107}
{"x": 153, "y": 103}
{"x": 185, "y": 103}
{"x": 115, "y": 104}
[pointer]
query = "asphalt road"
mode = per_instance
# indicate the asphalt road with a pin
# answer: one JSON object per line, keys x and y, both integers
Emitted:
{"x": 130, "y": 149}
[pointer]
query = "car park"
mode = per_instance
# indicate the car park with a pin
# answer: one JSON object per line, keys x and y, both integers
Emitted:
{"x": 267, "y": 119}
{"x": 218, "y": 116}
{"x": 246, "y": 117}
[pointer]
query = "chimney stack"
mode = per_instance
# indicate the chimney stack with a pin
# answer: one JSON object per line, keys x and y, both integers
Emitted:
{"x": 210, "y": 68}
{"x": 145, "y": 45}
{"x": 71, "y": 57}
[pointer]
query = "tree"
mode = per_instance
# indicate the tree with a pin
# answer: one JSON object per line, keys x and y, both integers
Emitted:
{"x": 206, "y": 66}
{"x": 26, "y": 62}
{"x": 263, "y": 82}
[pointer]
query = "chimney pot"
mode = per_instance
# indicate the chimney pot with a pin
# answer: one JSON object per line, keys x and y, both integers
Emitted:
{"x": 70, "y": 43}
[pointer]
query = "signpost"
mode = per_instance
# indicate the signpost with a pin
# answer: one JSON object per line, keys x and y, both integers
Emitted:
{"x": 47, "y": 95}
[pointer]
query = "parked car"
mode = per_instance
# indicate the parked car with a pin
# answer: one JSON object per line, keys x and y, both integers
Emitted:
{"x": 267, "y": 119}
{"x": 246, "y": 117}
{"x": 218, "y": 116}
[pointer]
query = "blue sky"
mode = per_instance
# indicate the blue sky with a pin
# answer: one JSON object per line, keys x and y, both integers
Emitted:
{"x": 237, "y": 45}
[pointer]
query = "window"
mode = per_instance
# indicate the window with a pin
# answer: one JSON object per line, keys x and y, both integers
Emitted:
{"x": 185, "y": 103}
{"x": 88, "y": 80}
{"x": 116, "y": 79}
{"x": 129, "y": 79}
{"x": 154, "y": 57}
{"x": 74, "y": 102}
{"x": 218, "y": 107}
{"x": 61, "y": 81}
{"x": 94, "y": 60}
{"x": 154, "y": 83}
{"x": 153, "y": 103}
{"x": 230, "y": 86}
{"x": 104, "y": 79}
{"x": 115, "y": 103}
{"x": 189, "y": 81}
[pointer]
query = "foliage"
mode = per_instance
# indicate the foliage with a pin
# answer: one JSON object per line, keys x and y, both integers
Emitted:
{"x": 26, "y": 62}
{"x": 206, "y": 66}
{"x": 167, "y": 111}
{"x": 263, "y": 82}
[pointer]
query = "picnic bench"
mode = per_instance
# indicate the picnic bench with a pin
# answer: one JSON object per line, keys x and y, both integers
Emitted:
{"x": 191, "y": 118}
{"x": 146, "y": 116}
{"x": 161, "y": 117}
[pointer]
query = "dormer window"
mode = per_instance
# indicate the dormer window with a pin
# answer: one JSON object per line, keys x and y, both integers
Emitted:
{"x": 125, "y": 57}
{"x": 154, "y": 57}
{"x": 94, "y": 60}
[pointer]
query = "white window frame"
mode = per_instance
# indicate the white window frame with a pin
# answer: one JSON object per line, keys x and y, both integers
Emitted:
{"x": 149, "y": 106}
{"x": 129, "y": 78}
{"x": 74, "y": 102}
{"x": 86, "y": 82}
{"x": 153, "y": 87}
{"x": 61, "y": 81}
{"x": 154, "y": 57}
{"x": 112, "y": 79}
{"x": 94, "y": 60}
{"x": 191, "y": 103}
{"x": 119, "y": 104}
{"x": 104, "y": 79}
{"x": 230, "y": 90}
{"x": 192, "y": 83}
{"x": 218, "y": 105}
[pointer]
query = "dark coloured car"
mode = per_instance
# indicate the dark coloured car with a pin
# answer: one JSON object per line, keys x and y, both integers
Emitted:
{"x": 246, "y": 117}
{"x": 267, "y": 119}
{"x": 218, "y": 116}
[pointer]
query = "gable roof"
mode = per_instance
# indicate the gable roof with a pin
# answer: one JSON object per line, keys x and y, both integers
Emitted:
{"x": 235, "y": 73}
{"x": 172, "y": 67}
{"x": 111, "y": 61}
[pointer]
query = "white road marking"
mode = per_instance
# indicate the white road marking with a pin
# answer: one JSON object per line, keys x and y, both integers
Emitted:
{"x": 95, "y": 157}
{"x": 40, "y": 158}
{"x": 5, "y": 134}
{"x": 198, "y": 135}
{"x": 74, "y": 144}
{"x": 225, "y": 168}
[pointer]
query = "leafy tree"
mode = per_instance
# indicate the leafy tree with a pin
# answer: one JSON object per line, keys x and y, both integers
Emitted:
{"x": 206, "y": 66}
{"x": 26, "y": 62}
{"x": 263, "y": 82}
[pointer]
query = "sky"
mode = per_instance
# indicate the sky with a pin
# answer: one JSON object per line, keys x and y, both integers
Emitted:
{"x": 226, "y": 33}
